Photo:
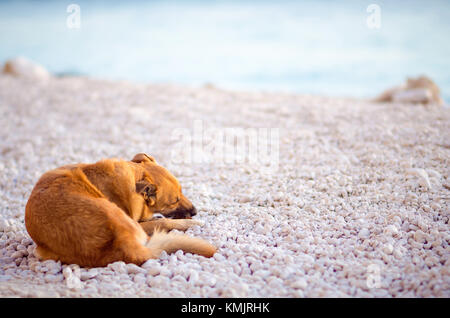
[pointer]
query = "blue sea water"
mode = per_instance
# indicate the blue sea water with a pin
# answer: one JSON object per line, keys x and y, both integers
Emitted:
{"x": 319, "y": 47}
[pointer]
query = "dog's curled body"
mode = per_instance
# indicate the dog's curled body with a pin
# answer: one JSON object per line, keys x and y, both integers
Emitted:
{"x": 89, "y": 214}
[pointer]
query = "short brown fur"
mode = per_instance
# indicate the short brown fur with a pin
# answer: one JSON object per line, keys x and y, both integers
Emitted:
{"x": 96, "y": 214}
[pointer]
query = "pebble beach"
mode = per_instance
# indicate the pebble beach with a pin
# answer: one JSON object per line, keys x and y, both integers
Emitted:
{"x": 358, "y": 205}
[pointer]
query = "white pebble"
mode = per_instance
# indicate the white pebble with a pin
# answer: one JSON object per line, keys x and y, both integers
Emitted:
{"x": 391, "y": 230}
{"x": 193, "y": 277}
{"x": 153, "y": 271}
{"x": 158, "y": 282}
{"x": 88, "y": 274}
{"x": 67, "y": 272}
{"x": 430, "y": 261}
{"x": 139, "y": 278}
{"x": 364, "y": 233}
{"x": 134, "y": 269}
{"x": 219, "y": 257}
{"x": 419, "y": 236}
{"x": 424, "y": 181}
{"x": 388, "y": 249}
{"x": 119, "y": 267}
{"x": 17, "y": 254}
{"x": 299, "y": 283}
{"x": 245, "y": 199}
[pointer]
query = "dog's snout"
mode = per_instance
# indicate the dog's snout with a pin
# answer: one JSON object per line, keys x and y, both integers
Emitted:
{"x": 181, "y": 213}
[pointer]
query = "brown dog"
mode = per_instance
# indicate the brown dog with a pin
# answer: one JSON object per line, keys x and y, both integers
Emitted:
{"x": 95, "y": 214}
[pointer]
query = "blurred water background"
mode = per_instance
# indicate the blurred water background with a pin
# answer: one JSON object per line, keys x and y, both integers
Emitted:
{"x": 318, "y": 46}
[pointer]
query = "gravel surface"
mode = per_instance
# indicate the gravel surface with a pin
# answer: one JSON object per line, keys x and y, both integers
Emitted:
{"x": 358, "y": 204}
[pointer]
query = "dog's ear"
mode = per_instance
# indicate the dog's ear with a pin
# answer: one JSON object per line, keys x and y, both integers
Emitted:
{"x": 147, "y": 190}
{"x": 142, "y": 157}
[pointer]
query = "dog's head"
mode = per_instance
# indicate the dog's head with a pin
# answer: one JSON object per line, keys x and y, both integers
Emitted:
{"x": 161, "y": 190}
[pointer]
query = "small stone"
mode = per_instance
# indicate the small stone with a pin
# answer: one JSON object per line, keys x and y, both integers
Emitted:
{"x": 21, "y": 247}
{"x": 422, "y": 225}
{"x": 150, "y": 263}
{"x": 210, "y": 281}
{"x": 17, "y": 254}
{"x": 172, "y": 259}
{"x": 67, "y": 272}
{"x": 23, "y": 67}
{"x": 27, "y": 241}
{"x": 245, "y": 199}
{"x": 163, "y": 255}
{"x": 134, "y": 269}
{"x": 398, "y": 253}
{"x": 219, "y": 257}
{"x": 435, "y": 206}
{"x": 424, "y": 180}
{"x": 53, "y": 267}
{"x": 165, "y": 272}
{"x": 434, "y": 174}
{"x": 364, "y": 234}
{"x": 419, "y": 236}
{"x": 388, "y": 249}
{"x": 76, "y": 270}
{"x": 118, "y": 267}
{"x": 4, "y": 224}
{"x": 430, "y": 261}
{"x": 158, "y": 282}
{"x": 51, "y": 278}
{"x": 88, "y": 274}
{"x": 139, "y": 278}
{"x": 179, "y": 254}
{"x": 153, "y": 271}
{"x": 437, "y": 242}
{"x": 193, "y": 277}
{"x": 279, "y": 196}
{"x": 298, "y": 293}
{"x": 391, "y": 230}
{"x": 262, "y": 273}
{"x": 299, "y": 283}
{"x": 259, "y": 229}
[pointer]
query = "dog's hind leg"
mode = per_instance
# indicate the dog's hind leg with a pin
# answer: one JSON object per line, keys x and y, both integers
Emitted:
{"x": 45, "y": 254}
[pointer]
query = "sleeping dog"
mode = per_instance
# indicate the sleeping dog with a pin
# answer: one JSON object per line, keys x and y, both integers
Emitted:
{"x": 96, "y": 214}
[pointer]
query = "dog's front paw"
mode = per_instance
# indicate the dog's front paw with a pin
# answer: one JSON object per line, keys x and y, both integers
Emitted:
{"x": 196, "y": 222}
{"x": 184, "y": 224}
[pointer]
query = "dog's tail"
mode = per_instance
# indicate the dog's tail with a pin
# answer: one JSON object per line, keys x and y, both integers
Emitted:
{"x": 171, "y": 242}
